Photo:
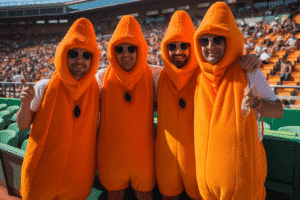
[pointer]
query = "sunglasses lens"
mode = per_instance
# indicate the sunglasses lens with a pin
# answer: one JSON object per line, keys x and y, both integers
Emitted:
{"x": 203, "y": 42}
{"x": 86, "y": 55}
{"x": 171, "y": 46}
{"x": 131, "y": 49}
{"x": 218, "y": 40}
{"x": 184, "y": 46}
{"x": 119, "y": 49}
{"x": 73, "y": 54}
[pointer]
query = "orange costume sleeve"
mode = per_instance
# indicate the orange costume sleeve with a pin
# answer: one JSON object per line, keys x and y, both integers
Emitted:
{"x": 230, "y": 160}
{"x": 125, "y": 149}
{"x": 59, "y": 161}
{"x": 174, "y": 145}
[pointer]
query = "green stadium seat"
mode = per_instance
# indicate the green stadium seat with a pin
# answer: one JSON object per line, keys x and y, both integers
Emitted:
{"x": 14, "y": 117}
{"x": 266, "y": 125}
{"x": 283, "y": 157}
{"x": 294, "y": 130}
{"x": 12, "y": 110}
{"x": 5, "y": 115}
{"x": 24, "y": 145}
{"x": 22, "y": 135}
{"x": 2, "y": 124}
{"x": 277, "y": 190}
{"x": 3, "y": 106}
{"x": 9, "y": 137}
{"x": 95, "y": 194}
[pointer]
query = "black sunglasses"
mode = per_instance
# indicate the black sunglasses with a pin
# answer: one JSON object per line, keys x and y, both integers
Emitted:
{"x": 174, "y": 46}
{"x": 74, "y": 54}
{"x": 216, "y": 40}
{"x": 130, "y": 49}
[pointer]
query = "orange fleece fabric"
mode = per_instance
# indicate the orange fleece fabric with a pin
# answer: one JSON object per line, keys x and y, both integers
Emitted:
{"x": 125, "y": 152}
{"x": 230, "y": 160}
{"x": 59, "y": 161}
{"x": 174, "y": 145}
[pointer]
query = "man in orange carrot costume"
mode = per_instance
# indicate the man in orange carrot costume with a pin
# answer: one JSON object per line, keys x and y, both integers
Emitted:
{"x": 174, "y": 145}
{"x": 59, "y": 161}
{"x": 230, "y": 157}
{"x": 125, "y": 152}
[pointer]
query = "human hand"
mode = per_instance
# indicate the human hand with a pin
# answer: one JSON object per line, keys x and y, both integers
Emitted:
{"x": 249, "y": 98}
{"x": 250, "y": 62}
{"x": 27, "y": 93}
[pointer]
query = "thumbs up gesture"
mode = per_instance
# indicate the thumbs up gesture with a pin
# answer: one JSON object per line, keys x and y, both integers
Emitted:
{"x": 27, "y": 93}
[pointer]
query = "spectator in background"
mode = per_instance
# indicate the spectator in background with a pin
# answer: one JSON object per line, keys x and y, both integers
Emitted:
{"x": 275, "y": 26}
{"x": 295, "y": 27}
{"x": 277, "y": 46}
{"x": 17, "y": 78}
{"x": 259, "y": 30}
{"x": 267, "y": 42}
{"x": 265, "y": 56}
{"x": 287, "y": 26}
{"x": 291, "y": 43}
{"x": 285, "y": 103}
{"x": 285, "y": 69}
{"x": 259, "y": 49}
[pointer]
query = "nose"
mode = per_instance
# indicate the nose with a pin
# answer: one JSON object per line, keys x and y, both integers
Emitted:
{"x": 80, "y": 59}
{"x": 210, "y": 44}
{"x": 178, "y": 50}
{"x": 126, "y": 53}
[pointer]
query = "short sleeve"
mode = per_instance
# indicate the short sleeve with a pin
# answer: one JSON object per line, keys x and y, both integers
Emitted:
{"x": 39, "y": 91}
{"x": 260, "y": 85}
{"x": 100, "y": 77}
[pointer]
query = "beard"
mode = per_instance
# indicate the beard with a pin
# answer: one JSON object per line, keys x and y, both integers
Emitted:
{"x": 179, "y": 63}
{"x": 78, "y": 69}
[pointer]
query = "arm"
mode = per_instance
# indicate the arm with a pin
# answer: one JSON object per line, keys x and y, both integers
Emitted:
{"x": 156, "y": 73}
{"x": 100, "y": 79}
{"x": 268, "y": 108}
{"x": 25, "y": 116}
{"x": 290, "y": 68}
{"x": 261, "y": 98}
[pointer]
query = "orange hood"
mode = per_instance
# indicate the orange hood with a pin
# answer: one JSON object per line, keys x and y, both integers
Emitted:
{"x": 220, "y": 21}
{"x": 52, "y": 150}
{"x": 78, "y": 36}
{"x": 128, "y": 30}
{"x": 181, "y": 28}
{"x": 230, "y": 160}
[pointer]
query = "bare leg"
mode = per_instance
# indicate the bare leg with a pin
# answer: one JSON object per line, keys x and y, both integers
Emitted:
{"x": 115, "y": 195}
{"x": 144, "y": 195}
{"x": 170, "y": 197}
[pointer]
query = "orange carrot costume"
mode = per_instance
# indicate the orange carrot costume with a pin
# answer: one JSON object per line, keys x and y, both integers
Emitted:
{"x": 59, "y": 161}
{"x": 125, "y": 145}
{"x": 174, "y": 145}
{"x": 230, "y": 160}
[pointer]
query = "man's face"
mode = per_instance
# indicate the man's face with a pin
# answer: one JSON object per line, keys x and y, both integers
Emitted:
{"x": 126, "y": 55}
{"x": 213, "y": 47}
{"x": 179, "y": 53}
{"x": 79, "y": 62}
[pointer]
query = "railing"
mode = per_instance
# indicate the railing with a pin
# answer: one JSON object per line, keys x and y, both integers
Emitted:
{"x": 11, "y": 89}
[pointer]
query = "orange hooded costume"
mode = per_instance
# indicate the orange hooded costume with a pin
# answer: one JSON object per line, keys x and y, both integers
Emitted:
{"x": 174, "y": 145}
{"x": 59, "y": 161}
{"x": 230, "y": 160}
{"x": 125, "y": 143}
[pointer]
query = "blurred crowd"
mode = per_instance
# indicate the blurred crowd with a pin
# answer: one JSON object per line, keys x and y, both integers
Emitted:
{"x": 32, "y": 58}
